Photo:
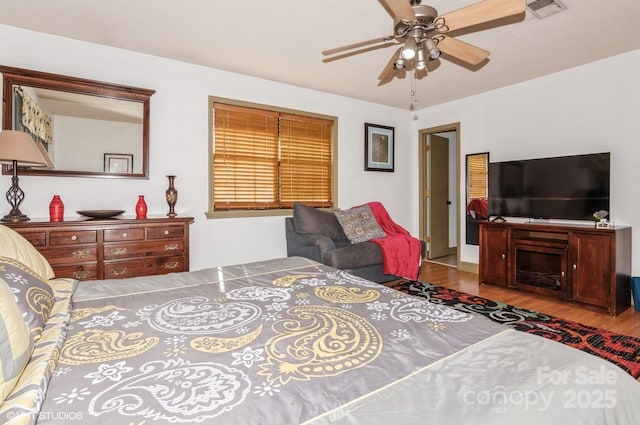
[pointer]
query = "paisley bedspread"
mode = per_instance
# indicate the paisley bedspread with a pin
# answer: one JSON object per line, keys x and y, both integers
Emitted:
{"x": 290, "y": 341}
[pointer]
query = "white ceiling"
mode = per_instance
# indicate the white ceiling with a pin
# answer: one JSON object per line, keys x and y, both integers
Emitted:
{"x": 281, "y": 40}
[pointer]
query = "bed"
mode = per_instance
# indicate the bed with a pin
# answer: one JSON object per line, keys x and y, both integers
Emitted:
{"x": 281, "y": 341}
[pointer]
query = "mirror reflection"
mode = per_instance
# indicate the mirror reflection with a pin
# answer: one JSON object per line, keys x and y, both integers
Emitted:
{"x": 477, "y": 176}
{"x": 83, "y": 127}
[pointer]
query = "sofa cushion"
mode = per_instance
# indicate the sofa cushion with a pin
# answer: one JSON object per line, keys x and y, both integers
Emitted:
{"x": 353, "y": 256}
{"x": 359, "y": 224}
{"x": 312, "y": 221}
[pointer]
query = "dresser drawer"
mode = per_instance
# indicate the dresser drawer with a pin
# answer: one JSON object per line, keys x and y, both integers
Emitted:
{"x": 116, "y": 235}
{"x": 80, "y": 272}
{"x": 70, "y": 255}
{"x": 143, "y": 267}
{"x": 73, "y": 237}
{"x": 168, "y": 232}
{"x": 146, "y": 249}
{"x": 36, "y": 238}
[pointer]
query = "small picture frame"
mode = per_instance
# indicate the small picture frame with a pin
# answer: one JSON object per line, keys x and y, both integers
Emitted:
{"x": 378, "y": 147}
{"x": 118, "y": 163}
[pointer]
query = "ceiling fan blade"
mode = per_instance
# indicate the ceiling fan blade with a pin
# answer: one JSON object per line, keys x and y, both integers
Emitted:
{"x": 484, "y": 11}
{"x": 389, "y": 71}
{"x": 400, "y": 9}
{"x": 460, "y": 50}
{"x": 356, "y": 45}
{"x": 357, "y": 52}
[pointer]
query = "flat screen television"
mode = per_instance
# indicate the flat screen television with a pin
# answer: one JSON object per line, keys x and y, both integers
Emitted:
{"x": 566, "y": 187}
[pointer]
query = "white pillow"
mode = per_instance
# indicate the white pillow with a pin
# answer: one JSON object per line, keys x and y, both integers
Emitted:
{"x": 14, "y": 245}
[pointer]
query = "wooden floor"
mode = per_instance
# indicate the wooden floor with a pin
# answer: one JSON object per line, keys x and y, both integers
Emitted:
{"x": 627, "y": 323}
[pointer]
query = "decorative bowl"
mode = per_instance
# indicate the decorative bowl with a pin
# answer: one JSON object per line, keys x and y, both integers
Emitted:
{"x": 100, "y": 213}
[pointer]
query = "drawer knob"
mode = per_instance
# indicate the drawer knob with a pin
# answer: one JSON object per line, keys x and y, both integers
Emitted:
{"x": 74, "y": 237}
{"x": 171, "y": 265}
{"x": 166, "y": 232}
{"x": 120, "y": 271}
{"x": 171, "y": 247}
{"x": 124, "y": 234}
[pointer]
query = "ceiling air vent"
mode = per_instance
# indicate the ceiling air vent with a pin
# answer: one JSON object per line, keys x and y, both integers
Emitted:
{"x": 544, "y": 8}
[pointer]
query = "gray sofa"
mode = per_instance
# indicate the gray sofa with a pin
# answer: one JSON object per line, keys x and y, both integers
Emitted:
{"x": 317, "y": 235}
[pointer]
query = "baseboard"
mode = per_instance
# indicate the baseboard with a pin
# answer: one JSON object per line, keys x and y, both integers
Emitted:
{"x": 468, "y": 267}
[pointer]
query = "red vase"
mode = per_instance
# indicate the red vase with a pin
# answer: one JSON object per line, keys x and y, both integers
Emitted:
{"x": 56, "y": 209}
{"x": 141, "y": 208}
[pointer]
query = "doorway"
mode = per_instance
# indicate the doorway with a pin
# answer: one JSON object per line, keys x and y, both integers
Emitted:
{"x": 439, "y": 167}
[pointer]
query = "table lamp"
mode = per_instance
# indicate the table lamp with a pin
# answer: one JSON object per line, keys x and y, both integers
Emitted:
{"x": 18, "y": 148}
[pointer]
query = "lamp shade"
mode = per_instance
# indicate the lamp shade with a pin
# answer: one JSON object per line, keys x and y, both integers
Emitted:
{"x": 19, "y": 146}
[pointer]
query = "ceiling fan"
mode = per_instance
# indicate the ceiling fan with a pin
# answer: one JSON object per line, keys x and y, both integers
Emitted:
{"x": 421, "y": 32}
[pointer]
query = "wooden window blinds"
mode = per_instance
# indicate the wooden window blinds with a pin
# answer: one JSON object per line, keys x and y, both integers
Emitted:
{"x": 268, "y": 160}
{"x": 477, "y": 176}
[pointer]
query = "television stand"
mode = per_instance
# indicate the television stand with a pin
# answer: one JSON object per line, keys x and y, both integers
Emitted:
{"x": 575, "y": 263}
{"x": 499, "y": 219}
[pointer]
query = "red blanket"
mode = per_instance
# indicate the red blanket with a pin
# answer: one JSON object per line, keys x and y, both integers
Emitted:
{"x": 401, "y": 253}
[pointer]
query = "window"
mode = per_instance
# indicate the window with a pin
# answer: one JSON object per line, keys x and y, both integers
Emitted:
{"x": 264, "y": 159}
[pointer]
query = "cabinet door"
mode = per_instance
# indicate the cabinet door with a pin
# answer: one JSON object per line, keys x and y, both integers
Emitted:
{"x": 493, "y": 254}
{"x": 591, "y": 268}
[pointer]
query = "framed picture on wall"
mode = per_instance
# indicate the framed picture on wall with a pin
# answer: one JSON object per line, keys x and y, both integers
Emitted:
{"x": 118, "y": 163}
{"x": 378, "y": 147}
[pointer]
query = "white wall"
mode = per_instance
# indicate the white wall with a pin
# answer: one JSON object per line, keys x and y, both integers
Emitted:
{"x": 179, "y": 145}
{"x": 591, "y": 108}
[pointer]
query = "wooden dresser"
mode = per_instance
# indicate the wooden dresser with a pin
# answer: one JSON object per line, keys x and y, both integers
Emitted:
{"x": 111, "y": 248}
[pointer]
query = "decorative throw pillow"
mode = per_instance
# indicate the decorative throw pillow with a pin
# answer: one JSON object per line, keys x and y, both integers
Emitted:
{"x": 33, "y": 296}
{"x": 312, "y": 221}
{"x": 15, "y": 342}
{"x": 14, "y": 245}
{"x": 359, "y": 224}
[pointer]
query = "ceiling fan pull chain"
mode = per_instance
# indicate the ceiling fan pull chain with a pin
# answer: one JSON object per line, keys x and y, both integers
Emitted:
{"x": 414, "y": 95}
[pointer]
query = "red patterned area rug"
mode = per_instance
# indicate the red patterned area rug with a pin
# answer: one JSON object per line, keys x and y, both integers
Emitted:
{"x": 621, "y": 350}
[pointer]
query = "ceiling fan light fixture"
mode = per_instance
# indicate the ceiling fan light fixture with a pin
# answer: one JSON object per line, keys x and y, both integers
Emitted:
{"x": 420, "y": 58}
{"x": 399, "y": 63}
{"x": 432, "y": 48}
{"x": 409, "y": 49}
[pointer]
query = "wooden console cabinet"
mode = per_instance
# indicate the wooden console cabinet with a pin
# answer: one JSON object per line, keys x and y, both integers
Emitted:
{"x": 112, "y": 248}
{"x": 578, "y": 263}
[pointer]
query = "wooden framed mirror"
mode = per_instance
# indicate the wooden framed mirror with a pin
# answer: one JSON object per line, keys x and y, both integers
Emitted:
{"x": 78, "y": 124}
{"x": 477, "y": 177}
